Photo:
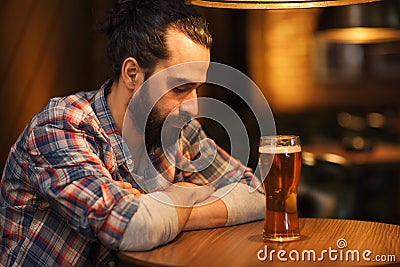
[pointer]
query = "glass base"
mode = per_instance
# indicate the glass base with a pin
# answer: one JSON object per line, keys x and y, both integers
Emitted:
{"x": 281, "y": 238}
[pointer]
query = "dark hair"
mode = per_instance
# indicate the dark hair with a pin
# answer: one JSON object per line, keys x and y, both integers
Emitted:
{"x": 137, "y": 28}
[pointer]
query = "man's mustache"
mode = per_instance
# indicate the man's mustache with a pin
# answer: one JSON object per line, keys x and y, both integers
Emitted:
{"x": 183, "y": 118}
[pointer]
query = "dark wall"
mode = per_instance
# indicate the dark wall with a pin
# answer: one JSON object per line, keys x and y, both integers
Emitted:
{"x": 48, "y": 48}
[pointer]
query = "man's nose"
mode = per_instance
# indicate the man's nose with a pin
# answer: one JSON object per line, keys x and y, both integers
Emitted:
{"x": 190, "y": 104}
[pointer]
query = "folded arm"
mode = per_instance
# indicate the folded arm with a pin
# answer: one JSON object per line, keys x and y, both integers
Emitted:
{"x": 230, "y": 205}
{"x": 161, "y": 216}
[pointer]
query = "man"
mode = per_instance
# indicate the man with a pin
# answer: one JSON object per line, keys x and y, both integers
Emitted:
{"x": 66, "y": 191}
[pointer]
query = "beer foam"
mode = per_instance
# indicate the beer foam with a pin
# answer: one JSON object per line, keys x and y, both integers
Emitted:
{"x": 280, "y": 149}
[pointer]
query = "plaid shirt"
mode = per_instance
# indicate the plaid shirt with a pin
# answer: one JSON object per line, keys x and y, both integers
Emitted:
{"x": 58, "y": 204}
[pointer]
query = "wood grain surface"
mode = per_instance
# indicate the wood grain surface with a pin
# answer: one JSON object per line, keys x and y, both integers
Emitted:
{"x": 242, "y": 245}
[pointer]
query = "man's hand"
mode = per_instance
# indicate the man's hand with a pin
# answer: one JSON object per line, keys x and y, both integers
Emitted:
{"x": 128, "y": 186}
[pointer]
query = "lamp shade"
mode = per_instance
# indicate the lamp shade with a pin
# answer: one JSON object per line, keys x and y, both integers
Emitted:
{"x": 274, "y": 4}
{"x": 366, "y": 23}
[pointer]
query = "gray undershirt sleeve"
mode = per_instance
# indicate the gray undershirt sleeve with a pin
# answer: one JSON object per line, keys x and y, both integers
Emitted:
{"x": 242, "y": 205}
{"x": 154, "y": 223}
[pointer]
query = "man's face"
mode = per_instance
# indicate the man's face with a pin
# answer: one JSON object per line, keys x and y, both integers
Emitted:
{"x": 177, "y": 103}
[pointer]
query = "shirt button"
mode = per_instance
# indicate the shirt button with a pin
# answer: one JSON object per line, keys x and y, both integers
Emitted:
{"x": 129, "y": 162}
{"x": 111, "y": 264}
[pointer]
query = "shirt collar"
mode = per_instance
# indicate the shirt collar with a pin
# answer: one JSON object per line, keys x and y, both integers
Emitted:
{"x": 107, "y": 122}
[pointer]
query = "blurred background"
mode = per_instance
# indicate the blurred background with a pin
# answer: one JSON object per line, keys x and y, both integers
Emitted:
{"x": 340, "y": 94}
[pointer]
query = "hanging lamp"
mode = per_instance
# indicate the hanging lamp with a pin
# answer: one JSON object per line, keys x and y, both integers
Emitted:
{"x": 361, "y": 24}
{"x": 274, "y": 4}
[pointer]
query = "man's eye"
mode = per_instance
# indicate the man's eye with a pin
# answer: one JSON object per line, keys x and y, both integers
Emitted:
{"x": 180, "y": 89}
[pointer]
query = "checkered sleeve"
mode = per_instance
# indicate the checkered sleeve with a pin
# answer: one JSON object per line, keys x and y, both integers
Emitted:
{"x": 209, "y": 162}
{"x": 67, "y": 170}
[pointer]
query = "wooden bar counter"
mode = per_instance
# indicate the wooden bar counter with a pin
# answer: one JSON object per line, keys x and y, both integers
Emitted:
{"x": 324, "y": 242}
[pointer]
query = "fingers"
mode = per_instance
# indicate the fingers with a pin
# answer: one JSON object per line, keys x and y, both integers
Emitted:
{"x": 128, "y": 187}
{"x": 135, "y": 192}
{"x": 123, "y": 184}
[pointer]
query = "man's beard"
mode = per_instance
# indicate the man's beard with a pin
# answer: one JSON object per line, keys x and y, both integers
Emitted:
{"x": 154, "y": 129}
{"x": 153, "y": 126}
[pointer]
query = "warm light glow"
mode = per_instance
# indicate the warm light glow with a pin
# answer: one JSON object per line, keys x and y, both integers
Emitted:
{"x": 274, "y": 4}
{"x": 334, "y": 158}
{"x": 279, "y": 56}
{"x": 360, "y": 35}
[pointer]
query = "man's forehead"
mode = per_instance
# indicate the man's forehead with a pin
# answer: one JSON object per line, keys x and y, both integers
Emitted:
{"x": 191, "y": 72}
{"x": 179, "y": 80}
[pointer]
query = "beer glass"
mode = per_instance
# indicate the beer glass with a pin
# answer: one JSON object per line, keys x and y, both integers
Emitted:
{"x": 280, "y": 166}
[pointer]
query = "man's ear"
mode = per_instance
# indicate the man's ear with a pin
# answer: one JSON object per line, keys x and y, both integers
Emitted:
{"x": 131, "y": 73}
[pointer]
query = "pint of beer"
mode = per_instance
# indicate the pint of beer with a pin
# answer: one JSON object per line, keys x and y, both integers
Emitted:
{"x": 280, "y": 166}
